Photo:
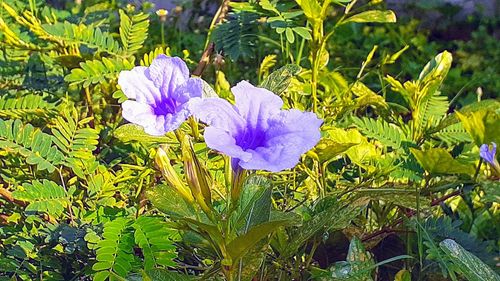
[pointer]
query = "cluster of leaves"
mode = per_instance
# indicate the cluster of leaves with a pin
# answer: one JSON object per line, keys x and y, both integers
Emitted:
{"x": 80, "y": 194}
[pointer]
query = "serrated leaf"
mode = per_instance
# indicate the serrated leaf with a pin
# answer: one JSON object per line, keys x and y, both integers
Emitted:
{"x": 279, "y": 80}
{"x": 470, "y": 266}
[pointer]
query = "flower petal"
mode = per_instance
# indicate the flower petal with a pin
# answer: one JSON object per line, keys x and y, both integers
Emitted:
{"x": 143, "y": 115}
{"x": 168, "y": 73}
{"x": 192, "y": 88}
{"x": 174, "y": 121}
{"x": 222, "y": 141}
{"x": 487, "y": 154}
{"x": 135, "y": 84}
{"x": 291, "y": 133}
{"x": 218, "y": 113}
{"x": 256, "y": 105}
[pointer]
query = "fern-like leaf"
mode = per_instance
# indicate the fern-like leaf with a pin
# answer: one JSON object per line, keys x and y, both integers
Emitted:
{"x": 24, "y": 106}
{"x": 47, "y": 197}
{"x": 114, "y": 253}
{"x": 31, "y": 143}
{"x": 431, "y": 110}
{"x": 379, "y": 129}
{"x": 98, "y": 71}
{"x": 234, "y": 37}
{"x": 133, "y": 31}
{"x": 73, "y": 136}
{"x": 155, "y": 239}
{"x": 92, "y": 37}
{"x": 453, "y": 134}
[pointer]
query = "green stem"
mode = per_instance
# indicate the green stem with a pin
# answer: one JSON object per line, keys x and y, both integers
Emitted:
{"x": 162, "y": 31}
{"x": 298, "y": 59}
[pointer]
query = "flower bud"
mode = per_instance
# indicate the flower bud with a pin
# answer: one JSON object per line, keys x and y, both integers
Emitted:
{"x": 196, "y": 175}
{"x": 163, "y": 162}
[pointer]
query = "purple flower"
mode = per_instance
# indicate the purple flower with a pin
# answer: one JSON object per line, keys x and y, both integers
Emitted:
{"x": 158, "y": 94}
{"x": 488, "y": 154}
{"x": 255, "y": 132}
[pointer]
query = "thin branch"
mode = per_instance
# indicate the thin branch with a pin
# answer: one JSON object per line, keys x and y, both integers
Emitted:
{"x": 205, "y": 57}
{"x": 391, "y": 229}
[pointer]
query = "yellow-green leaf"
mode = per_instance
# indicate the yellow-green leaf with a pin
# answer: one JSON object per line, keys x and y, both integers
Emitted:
{"x": 373, "y": 16}
{"x": 439, "y": 161}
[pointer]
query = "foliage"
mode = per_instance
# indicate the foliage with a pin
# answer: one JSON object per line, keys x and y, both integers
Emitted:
{"x": 86, "y": 195}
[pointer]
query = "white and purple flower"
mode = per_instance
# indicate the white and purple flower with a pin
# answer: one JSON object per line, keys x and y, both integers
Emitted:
{"x": 255, "y": 132}
{"x": 159, "y": 94}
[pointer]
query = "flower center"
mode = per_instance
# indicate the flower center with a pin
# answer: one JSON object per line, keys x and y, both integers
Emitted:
{"x": 251, "y": 138}
{"x": 164, "y": 107}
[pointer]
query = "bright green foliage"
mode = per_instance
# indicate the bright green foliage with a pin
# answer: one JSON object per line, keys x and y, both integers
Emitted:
{"x": 438, "y": 161}
{"x": 37, "y": 147}
{"x": 388, "y": 134}
{"x": 83, "y": 195}
{"x": 453, "y": 134}
{"x": 133, "y": 31}
{"x": 46, "y": 197}
{"x": 73, "y": 136}
{"x": 98, "y": 71}
{"x": 27, "y": 105}
{"x": 154, "y": 238}
{"x": 93, "y": 37}
{"x": 373, "y": 16}
{"x": 278, "y": 81}
{"x": 115, "y": 252}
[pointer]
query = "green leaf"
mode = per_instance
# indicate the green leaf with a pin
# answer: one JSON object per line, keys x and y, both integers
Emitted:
{"x": 328, "y": 149}
{"x": 133, "y": 31}
{"x": 255, "y": 203}
{"x": 439, "y": 161}
{"x": 31, "y": 143}
{"x": 334, "y": 216}
{"x": 132, "y": 132}
{"x": 483, "y": 126}
{"x": 45, "y": 196}
{"x": 114, "y": 254}
{"x": 27, "y": 105}
{"x": 311, "y": 8}
{"x": 365, "y": 96}
{"x": 470, "y": 266}
{"x": 388, "y": 134}
{"x": 92, "y": 37}
{"x": 373, "y": 16}
{"x": 244, "y": 243}
{"x": 168, "y": 201}
{"x": 278, "y": 81}
{"x": 153, "y": 236}
{"x": 303, "y": 32}
{"x": 403, "y": 275}
{"x": 235, "y": 36}
{"x": 435, "y": 71}
{"x": 98, "y": 71}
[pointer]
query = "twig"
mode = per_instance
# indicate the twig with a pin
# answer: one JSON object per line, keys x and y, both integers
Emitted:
{"x": 7, "y": 195}
{"x": 205, "y": 57}
{"x": 390, "y": 229}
